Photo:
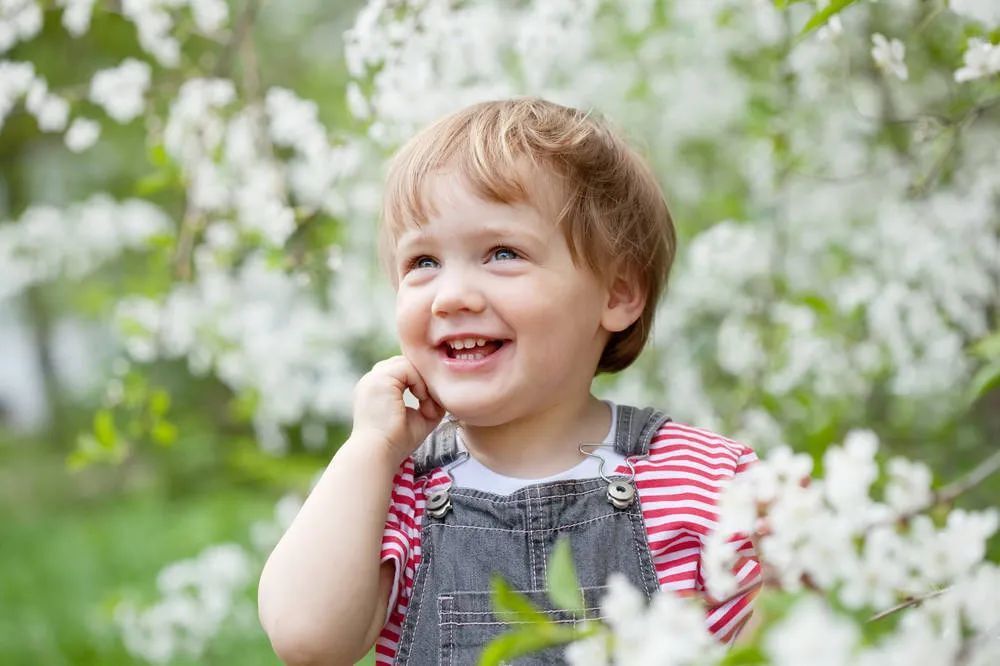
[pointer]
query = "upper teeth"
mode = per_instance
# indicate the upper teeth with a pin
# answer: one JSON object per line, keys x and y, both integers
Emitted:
{"x": 467, "y": 344}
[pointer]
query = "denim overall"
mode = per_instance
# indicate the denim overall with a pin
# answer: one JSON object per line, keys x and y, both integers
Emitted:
{"x": 450, "y": 615}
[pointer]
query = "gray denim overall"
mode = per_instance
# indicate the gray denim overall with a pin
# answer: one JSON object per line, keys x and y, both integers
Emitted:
{"x": 449, "y": 619}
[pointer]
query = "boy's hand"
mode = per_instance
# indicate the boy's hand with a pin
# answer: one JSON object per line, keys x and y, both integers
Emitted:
{"x": 379, "y": 411}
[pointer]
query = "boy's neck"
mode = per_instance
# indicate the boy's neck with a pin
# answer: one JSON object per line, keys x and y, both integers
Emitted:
{"x": 542, "y": 443}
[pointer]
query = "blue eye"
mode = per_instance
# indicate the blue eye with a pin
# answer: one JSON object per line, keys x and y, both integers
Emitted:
{"x": 503, "y": 249}
{"x": 421, "y": 262}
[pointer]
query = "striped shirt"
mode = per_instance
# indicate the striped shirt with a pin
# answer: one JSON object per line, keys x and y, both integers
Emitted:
{"x": 678, "y": 486}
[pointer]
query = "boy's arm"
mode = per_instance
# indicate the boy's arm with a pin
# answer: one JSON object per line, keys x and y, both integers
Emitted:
{"x": 321, "y": 593}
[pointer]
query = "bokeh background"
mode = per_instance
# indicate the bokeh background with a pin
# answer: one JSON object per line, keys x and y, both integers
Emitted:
{"x": 188, "y": 288}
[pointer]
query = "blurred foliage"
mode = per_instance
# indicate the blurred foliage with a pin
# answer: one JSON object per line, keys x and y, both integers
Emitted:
{"x": 77, "y": 537}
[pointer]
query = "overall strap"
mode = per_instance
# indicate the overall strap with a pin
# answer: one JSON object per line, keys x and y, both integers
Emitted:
{"x": 635, "y": 429}
{"x": 440, "y": 448}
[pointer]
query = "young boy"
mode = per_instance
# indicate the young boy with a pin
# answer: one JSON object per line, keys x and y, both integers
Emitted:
{"x": 528, "y": 245}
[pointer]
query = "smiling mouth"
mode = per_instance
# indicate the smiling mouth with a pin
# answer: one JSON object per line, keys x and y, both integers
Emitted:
{"x": 473, "y": 353}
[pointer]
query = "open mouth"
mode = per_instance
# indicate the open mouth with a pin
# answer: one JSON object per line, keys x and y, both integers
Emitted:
{"x": 473, "y": 353}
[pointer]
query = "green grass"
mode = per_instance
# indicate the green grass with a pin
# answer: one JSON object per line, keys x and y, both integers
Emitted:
{"x": 72, "y": 545}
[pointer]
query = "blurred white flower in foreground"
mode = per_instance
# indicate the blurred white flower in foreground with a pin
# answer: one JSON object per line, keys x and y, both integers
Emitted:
{"x": 981, "y": 59}
{"x": 888, "y": 55}
{"x": 985, "y": 11}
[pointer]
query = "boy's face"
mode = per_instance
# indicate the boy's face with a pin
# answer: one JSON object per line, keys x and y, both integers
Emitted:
{"x": 504, "y": 273}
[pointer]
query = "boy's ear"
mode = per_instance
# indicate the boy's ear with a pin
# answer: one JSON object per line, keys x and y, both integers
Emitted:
{"x": 625, "y": 302}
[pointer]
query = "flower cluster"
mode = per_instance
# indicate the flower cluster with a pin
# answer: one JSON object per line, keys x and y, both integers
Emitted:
{"x": 18, "y": 81}
{"x": 261, "y": 333}
{"x": 197, "y": 596}
{"x": 829, "y": 536}
{"x": 833, "y": 546}
{"x": 119, "y": 90}
{"x": 49, "y": 242}
{"x": 20, "y": 21}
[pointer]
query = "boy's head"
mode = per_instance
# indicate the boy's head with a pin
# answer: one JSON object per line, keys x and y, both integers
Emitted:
{"x": 533, "y": 162}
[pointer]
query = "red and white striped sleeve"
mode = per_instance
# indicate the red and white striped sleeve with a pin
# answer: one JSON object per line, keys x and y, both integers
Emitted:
{"x": 401, "y": 534}
{"x": 726, "y": 619}
{"x": 679, "y": 484}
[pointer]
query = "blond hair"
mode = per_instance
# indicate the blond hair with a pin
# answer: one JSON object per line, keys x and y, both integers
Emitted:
{"x": 613, "y": 212}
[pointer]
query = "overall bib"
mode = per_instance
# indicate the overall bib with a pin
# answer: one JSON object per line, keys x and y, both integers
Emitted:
{"x": 450, "y": 617}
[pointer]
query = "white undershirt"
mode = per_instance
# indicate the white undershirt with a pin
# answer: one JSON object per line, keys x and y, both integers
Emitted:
{"x": 473, "y": 474}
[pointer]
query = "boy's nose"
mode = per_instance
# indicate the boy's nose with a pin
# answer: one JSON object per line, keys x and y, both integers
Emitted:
{"x": 457, "y": 293}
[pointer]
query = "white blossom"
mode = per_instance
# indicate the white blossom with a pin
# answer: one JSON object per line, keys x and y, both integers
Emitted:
{"x": 76, "y": 15}
{"x": 849, "y": 472}
{"x": 20, "y": 20}
{"x": 888, "y": 55}
{"x": 909, "y": 485}
{"x": 51, "y": 111}
{"x": 15, "y": 80}
{"x": 153, "y": 23}
{"x": 197, "y": 597}
{"x": 82, "y": 134}
{"x": 47, "y": 242}
{"x": 984, "y": 11}
{"x": 120, "y": 90}
{"x": 591, "y": 651}
{"x": 209, "y": 15}
{"x": 981, "y": 59}
{"x": 812, "y": 634}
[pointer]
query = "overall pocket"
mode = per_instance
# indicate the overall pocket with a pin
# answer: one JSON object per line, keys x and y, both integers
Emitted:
{"x": 467, "y": 624}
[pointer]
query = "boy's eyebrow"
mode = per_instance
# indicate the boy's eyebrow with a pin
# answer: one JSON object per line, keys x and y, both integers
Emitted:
{"x": 416, "y": 235}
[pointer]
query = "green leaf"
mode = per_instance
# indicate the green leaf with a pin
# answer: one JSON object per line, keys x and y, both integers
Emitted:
{"x": 986, "y": 379}
{"x": 164, "y": 432}
{"x": 513, "y": 606}
{"x": 989, "y": 347}
{"x": 154, "y": 183}
{"x": 744, "y": 655}
{"x": 825, "y": 14}
{"x": 564, "y": 591}
{"x": 158, "y": 155}
{"x": 104, "y": 429}
{"x": 159, "y": 402}
{"x": 524, "y": 641}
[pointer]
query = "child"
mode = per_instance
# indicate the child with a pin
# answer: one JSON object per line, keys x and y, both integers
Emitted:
{"x": 528, "y": 245}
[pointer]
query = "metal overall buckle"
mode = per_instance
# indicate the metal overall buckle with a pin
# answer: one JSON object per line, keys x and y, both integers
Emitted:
{"x": 439, "y": 501}
{"x": 621, "y": 492}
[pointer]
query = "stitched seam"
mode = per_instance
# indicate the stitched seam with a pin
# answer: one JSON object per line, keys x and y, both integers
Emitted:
{"x": 453, "y": 593}
{"x": 626, "y": 445}
{"x": 456, "y": 493}
{"x": 638, "y": 556}
{"x": 645, "y": 555}
{"x": 531, "y": 547}
{"x": 545, "y": 566}
{"x": 501, "y": 529}
{"x": 442, "y": 642}
{"x": 419, "y": 579}
{"x": 467, "y": 624}
{"x": 444, "y": 612}
{"x": 451, "y": 642}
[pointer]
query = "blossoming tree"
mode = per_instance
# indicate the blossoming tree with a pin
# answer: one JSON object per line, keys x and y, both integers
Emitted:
{"x": 833, "y": 166}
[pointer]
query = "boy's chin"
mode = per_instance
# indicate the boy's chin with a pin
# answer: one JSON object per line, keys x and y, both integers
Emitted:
{"x": 473, "y": 414}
